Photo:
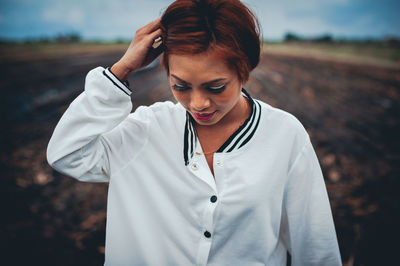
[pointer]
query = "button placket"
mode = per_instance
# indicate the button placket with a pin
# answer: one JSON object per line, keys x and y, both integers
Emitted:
{"x": 209, "y": 211}
{"x": 199, "y": 167}
{"x": 209, "y": 216}
{"x": 219, "y": 174}
{"x": 207, "y": 231}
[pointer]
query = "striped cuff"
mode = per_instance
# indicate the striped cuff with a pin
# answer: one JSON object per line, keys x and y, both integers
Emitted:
{"x": 122, "y": 85}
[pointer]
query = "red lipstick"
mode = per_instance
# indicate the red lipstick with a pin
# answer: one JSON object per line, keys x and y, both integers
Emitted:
{"x": 203, "y": 116}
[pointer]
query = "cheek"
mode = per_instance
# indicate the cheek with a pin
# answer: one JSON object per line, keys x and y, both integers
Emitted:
{"x": 182, "y": 98}
{"x": 223, "y": 102}
{"x": 229, "y": 99}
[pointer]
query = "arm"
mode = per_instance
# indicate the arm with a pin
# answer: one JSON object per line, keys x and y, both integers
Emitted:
{"x": 91, "y": 133}
{"x": 77, "y": 146}
{"x": 309, "y": 230}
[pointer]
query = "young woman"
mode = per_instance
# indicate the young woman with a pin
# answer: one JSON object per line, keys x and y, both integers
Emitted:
{"x": 218, "y": 178}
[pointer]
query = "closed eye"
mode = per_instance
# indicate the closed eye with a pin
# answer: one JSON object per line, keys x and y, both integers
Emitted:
{"x": 180, "y": 87}
{"x": 214, "y": 89}
{"x": 217, "y": 89}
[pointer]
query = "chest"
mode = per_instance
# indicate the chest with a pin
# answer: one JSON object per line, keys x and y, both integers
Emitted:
{"x": 211, "y": 141}
{"x": 210, "y": 162}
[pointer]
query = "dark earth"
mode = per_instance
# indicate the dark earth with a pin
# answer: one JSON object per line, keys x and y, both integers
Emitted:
{"x": 350, "y": 111}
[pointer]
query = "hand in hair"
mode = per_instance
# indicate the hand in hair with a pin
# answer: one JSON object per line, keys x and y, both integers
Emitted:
{"x": 144, "y": 48}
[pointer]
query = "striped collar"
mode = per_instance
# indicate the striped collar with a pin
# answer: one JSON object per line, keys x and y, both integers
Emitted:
{"x": 237, "y": 140}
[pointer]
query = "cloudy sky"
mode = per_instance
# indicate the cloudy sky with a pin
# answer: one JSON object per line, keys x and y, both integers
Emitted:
{"x": 111, "y": 19}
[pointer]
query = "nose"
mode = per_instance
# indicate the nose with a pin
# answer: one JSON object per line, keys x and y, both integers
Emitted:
{"x": 199, "y": 100}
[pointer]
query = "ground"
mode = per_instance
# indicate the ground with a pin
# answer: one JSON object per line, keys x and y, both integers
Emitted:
{"x": 350, "y": 109}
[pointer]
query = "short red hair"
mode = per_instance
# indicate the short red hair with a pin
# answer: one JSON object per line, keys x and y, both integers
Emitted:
{"x": 225, "y": 26}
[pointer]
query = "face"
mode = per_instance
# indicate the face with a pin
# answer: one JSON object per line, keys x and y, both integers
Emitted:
{"x": 206, "y": 87}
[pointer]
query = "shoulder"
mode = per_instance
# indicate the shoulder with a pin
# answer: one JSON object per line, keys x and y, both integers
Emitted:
{"x": 280, "y": 119}
{"x": 282, "y": 126}
{"x": 161, "y": 111}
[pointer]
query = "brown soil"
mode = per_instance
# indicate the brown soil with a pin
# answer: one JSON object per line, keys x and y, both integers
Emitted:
{"x": 350, "y": 111}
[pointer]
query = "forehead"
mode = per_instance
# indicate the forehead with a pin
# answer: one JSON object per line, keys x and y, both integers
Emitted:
{"x": 199, "y": 67}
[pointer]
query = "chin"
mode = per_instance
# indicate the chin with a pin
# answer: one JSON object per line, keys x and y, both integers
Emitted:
{"x": 205, "y": 123}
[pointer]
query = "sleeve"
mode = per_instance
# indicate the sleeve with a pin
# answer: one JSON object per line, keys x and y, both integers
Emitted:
{"x": 309, "y": 231}
{"x": 88, "y": 141}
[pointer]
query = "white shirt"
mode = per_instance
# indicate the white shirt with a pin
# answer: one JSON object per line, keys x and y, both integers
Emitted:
{"x": 165, "y": 207}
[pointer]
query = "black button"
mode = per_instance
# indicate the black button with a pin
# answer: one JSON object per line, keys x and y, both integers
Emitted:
{"x": 207, "y": 234}
{"x": 213, "y": 199}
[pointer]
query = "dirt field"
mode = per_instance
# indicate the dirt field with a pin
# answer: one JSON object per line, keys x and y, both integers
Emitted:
{"x": 351, "y": 112}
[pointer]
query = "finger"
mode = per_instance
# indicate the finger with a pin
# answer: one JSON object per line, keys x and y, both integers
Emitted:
{"x": 153, "y": 36}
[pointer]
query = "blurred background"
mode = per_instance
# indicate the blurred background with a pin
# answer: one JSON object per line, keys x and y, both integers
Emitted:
{"x": 334, "y": 64}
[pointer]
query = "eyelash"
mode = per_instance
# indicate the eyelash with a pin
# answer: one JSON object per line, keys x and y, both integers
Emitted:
{"x": 210, "y": 89}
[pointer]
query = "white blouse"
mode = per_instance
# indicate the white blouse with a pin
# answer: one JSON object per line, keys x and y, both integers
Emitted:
{"x": 165, "y": 207}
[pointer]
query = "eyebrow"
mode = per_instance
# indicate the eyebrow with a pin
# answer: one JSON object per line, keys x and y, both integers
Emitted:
{"x": 205, "y": 83}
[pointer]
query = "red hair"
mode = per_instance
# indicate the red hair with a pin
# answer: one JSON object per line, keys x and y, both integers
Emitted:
{"x": 227, "y": 27}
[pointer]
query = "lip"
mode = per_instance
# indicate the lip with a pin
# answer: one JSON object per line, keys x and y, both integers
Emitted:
{"x": 203, "y": 116}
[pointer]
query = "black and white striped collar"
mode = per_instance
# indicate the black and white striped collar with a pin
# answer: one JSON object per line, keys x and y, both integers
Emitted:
{"x": 237, "y": 140}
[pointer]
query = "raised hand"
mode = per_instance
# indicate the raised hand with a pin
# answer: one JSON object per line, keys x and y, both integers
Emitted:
{"x": 144, "y": 48}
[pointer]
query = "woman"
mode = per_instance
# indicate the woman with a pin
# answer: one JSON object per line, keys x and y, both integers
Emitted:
{"x": 218, "y": 178}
